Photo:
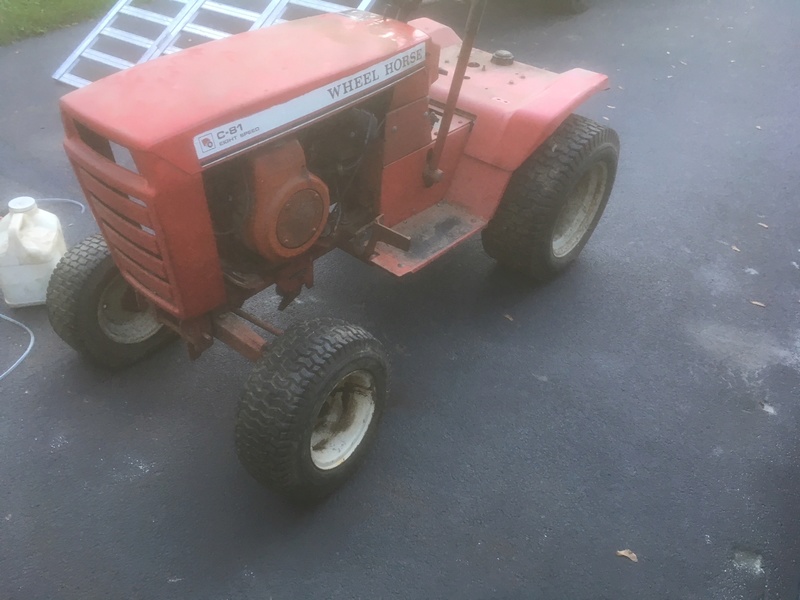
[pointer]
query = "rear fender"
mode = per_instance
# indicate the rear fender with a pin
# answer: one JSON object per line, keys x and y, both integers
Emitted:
{"x": 517, "y": 107}
{"x": 506, "y": 138}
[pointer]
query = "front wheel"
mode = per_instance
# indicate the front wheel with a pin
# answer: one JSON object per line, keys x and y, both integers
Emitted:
{"x": 554, "y": 200}
{"x": 311, "y": 407}
{"x": 93, "y": 309}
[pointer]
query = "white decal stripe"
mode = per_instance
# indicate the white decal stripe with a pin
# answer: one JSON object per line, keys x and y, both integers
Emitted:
{"x": 269, "y": 122}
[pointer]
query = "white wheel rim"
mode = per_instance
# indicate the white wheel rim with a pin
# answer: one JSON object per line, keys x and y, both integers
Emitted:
{"x": 120, "y": 324}
{"x": 343, "y": 420}
{"x": 580, "y": 209}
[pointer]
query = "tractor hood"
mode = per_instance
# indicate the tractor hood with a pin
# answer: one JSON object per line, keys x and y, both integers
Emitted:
{"x": 211, "y": 101}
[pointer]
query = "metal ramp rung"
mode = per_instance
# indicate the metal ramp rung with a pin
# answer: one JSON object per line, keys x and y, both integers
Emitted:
{"x": 146, "y": 15}
{"x": 74, "y": 80}
{"x": 125, "y": 36}
{"x": 107, "y": 59}
{"x": 232, "y": 11}
{"x": 206, "y": 32}
{"x": 321, "y": 5}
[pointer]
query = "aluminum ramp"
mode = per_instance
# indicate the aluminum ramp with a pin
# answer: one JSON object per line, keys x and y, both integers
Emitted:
{"x": 135, "y": 31}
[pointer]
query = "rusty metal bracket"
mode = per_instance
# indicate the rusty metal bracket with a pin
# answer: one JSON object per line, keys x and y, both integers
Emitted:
{"x": 195, "y": 332}
{"x": 292, "y": 278}
{"x": 268, "y": 327}
{"x": 380, "y": 233}
{"x": 236, "y": 334}
{"x": 362, "y": 243}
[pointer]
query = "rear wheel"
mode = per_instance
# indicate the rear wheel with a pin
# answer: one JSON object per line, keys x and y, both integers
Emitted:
{"x": 94, "y": 310}
{"x": 554, "y": 200}
{"x": 311, "y": 407}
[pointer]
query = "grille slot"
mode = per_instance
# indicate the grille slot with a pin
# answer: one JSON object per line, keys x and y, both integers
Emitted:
{"x": 130, "y": 231}
{"x": 147, "y": 280}
{"x": 134, "y": 213}
{"x": 95, "y": 141}
{"x": 122, "y": 156}
{"x": 142, "y": 257}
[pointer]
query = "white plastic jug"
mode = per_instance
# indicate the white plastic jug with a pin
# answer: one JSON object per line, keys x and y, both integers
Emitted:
{"x": 31, "y": 244}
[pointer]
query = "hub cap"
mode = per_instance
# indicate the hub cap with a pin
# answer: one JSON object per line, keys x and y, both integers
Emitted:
{"x": 580, "y": 210}
{"x": 119, "y": 318}
{"x": 343, "y": 420}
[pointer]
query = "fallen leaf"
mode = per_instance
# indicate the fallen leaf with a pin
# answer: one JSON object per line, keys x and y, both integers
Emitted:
{"x": 757, "y": 303}
{"x": 735, "y": 249}
{"x": 509, "y": 317}
{"x": 628, "y": 554}
{"x": 767, "y": 408}
{"x": 764, "y": 225}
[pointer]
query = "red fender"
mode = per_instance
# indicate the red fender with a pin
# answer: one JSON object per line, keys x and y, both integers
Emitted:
{"x": 517, "y": 107}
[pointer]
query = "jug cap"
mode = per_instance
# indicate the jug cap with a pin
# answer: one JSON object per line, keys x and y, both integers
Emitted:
{"x": 21, "y": 204}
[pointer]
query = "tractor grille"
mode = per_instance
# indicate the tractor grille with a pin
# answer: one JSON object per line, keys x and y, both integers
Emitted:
{"x": 127, "y": 222}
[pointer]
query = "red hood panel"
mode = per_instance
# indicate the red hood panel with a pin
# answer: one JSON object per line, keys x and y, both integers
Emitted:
{"x": 211, "y": 88}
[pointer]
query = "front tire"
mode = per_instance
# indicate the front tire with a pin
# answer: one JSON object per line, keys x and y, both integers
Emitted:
{"x": 94, "y": 310}
{"x": 554, "y": 200}
{"x": 310, "y": 409}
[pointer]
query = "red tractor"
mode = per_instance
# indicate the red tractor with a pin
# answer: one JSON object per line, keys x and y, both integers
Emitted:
{"x": 229, "y": 168}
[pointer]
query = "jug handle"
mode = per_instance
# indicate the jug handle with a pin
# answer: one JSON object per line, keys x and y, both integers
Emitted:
{"x": 15, "y": 247}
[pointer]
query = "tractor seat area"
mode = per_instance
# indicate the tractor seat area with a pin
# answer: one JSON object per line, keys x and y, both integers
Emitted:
{"x": 517, "y": 106}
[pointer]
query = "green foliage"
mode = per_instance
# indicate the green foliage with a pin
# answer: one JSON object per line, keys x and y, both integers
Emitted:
{"x": 24, "y": 18}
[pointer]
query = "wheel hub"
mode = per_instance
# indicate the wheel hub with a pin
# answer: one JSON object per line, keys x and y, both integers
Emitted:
{"x": 343, "y": 420}
{"x": 119, "y": 317}
{"x": 580, "y": 209}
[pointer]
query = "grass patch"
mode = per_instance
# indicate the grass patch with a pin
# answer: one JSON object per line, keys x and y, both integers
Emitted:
{"x": 24, "y": 18}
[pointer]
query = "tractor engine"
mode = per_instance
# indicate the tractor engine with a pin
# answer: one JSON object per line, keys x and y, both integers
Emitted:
{"x": 276, "y": 202}
{"x": 268, "y": 202}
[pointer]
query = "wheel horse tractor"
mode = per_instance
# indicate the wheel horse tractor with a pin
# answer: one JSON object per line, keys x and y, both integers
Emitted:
{"x": 255, "y": 155}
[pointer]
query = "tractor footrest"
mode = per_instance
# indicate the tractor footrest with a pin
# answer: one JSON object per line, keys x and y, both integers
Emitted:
{"x": 433, "y": 231}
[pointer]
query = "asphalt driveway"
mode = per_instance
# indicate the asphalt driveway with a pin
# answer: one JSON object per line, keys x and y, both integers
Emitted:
{"x": 639, "y": 402}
